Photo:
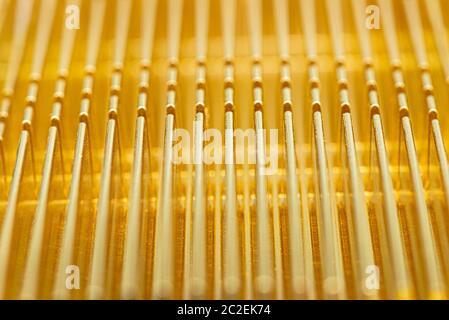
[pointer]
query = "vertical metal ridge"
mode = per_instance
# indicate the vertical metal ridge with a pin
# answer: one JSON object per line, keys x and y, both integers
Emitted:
{"x": 359, "y": 222}
{"x": 45, "y": 22}
{"x": 131, "y": 286}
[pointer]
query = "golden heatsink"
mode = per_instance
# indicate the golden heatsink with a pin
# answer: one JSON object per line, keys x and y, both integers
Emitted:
{"x": 224, "y": 149}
